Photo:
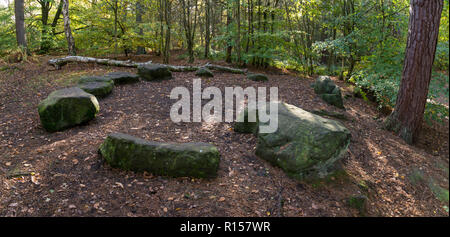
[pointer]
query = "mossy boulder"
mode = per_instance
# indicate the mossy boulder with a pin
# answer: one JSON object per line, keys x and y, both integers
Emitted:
{"x": 66, "y": 108}
{"x": 333, "y": 99}
{"x": 257, "y": 77}
{"x": 328, "y": 91}
{"x": 99, "y": 89}
{"x": 204, "y": 72}
{"x": 200, "y": 160}
{"x": 123, "y": 77}
{"x": 86, "y": 79}
{"x": 243, "y": 125}
{"x": 323, "y": 85}
{"x": 305, "y": 144}
{"x": 151, "y": 72}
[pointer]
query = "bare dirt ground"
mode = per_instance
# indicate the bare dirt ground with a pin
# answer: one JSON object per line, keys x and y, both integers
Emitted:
{"x": 61, "y": 174}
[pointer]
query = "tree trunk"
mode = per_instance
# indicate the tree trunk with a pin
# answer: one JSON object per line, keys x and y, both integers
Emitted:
{"x": 57, "y": 16}
{"x": 67, "y": 29}
{"x": 45, "y": 37}
{"x": 167, "y": 18}
{"x": 20, "y": 23}
{"x": 207, "y": 26}
{"x": 238, "y": 33}
{"x": 407, "y": 117}
{"x": 189, "y": 26}
{"x": 139, "y": 11}
{"x": 116, "y": 12}
{"x": 229, "y": 21}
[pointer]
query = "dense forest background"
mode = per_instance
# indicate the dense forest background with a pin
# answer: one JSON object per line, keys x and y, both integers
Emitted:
{"x": 360, "y": 41}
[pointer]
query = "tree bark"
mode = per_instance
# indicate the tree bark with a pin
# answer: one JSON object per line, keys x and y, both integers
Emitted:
{"x": 45, "y": 38}
{"x": 407, "y": 117}
{"x": 207, "y": 26}
{"x": 167, "y": 17}
{"x": 139, "y": 13}
{"x": 57, "y": 16}
{"x": 67, "y": 29}
{"x": 238, "y": 33}
{"x": 189, "y": 25}
{"x": 20, "y": 23}
{"x": 229, "y": 21}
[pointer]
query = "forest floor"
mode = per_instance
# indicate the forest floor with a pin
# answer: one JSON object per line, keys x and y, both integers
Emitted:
{"x": 61, "y": 174}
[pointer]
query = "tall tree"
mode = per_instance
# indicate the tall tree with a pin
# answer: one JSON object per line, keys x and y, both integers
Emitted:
{"x": 67, "y": 29}
{"x": 229, "y": 22}
{"x": 139, "y": 13}
{"x": 407, "y": 117}
{"x": 207, "y": 26}
{"x": 46, "y": 34}
{"x": 189, "y": 24}
{"x": 20, "y": 23}
{"x": 166, "y": 6}
{"x": 238, "y": 33}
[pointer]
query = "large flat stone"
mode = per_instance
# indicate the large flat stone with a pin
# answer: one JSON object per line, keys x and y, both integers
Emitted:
{"x": 123, "y": 77}
{"x": 99, "y": 89}
{"x": 151, "y": 72}
{"x": 123, "y": 151}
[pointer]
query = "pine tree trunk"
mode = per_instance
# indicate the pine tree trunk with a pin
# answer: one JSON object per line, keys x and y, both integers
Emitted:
{"x": 20, "y": 23}
{"x": 67, "y": 29}
{"x": 407, "y": 117}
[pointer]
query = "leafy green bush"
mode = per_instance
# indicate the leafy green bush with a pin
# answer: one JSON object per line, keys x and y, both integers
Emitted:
{"x": 380, "y": 73}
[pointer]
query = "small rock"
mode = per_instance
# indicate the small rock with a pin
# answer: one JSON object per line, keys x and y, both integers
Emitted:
{"x": 257, "y": 77}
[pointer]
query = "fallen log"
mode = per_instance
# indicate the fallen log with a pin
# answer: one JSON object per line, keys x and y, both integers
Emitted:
{"x": 59, "y": 62}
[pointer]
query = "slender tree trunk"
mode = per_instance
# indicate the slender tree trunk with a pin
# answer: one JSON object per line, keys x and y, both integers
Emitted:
{"x": 189, "y": 25}
{"x": 45, "y": 37}
{"x": 249, "y": 31}
{"x": 116, "y": 10}
{"x": 407, "y": 117}
{"x": 139, "y": 12}
{"x": 67, "y": 29}
{"x": 57, "y": 16}
{"x": 20, "y": 23}
{"x": 167, "y": 18}
{"x": 238, "y": 33}
{"x": 161, "y": 19}
{"x": 229, "y": 21}
{"x": 207, "y": 26}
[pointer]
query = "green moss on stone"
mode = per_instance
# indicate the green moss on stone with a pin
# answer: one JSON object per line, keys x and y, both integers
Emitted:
{"x": 198, "y": 160}
{"x": 123, "y": 77}
{"x": 257, "y": 77}
{"x": 153, "y": 72}
{"x": 66, "y": 108}
{"x": 99, "y": 89}
{"x": 304, "y": 144}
